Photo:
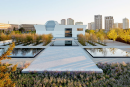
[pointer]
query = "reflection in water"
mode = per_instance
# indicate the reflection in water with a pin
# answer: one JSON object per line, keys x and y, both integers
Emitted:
{"x": 25, "y": 51}
{"x": 107, "y": 52}
{"x": 22, "y": 52}
{"x": 113, "y": 50}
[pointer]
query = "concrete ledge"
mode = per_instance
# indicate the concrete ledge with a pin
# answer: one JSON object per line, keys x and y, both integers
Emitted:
{"x": 43, "y": 71}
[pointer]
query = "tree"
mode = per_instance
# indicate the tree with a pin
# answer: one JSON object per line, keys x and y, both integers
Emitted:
{"x": 14, "y": 29}
{"x": 22, "y": 29}
{"x": 112, "y": 34}
{"x": 5, "y": 81}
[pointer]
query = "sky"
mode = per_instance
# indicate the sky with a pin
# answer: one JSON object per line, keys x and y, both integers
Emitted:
{"x": 40, "y": 11}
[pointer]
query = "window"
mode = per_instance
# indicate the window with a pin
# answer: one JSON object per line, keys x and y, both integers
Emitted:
{"x": 79, "y": 29}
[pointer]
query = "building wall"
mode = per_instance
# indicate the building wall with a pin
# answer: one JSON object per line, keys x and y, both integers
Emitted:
{"x": 125, "y": 23}
{"x": 109, "y": 21}
{"x": 98, "y": 21}
{"x": 59, "y": 30}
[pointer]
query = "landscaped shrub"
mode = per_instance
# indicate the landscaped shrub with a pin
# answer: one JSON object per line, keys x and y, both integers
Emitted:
{"x": 46, "y": 38}
{"x": 114, "y": 74}
{"x": 82, "y": 39}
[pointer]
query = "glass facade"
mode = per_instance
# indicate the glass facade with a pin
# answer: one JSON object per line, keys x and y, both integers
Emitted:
{"x": 50, "y": 25}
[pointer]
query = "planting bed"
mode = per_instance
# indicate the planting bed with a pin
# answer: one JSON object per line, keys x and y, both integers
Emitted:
{"x": 114, "y": 75}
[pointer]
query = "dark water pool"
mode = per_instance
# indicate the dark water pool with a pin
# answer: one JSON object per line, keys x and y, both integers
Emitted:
{"x": 23, "y": 52}
{"x": 107, "y": 53}
{"x": 64, "y": 43}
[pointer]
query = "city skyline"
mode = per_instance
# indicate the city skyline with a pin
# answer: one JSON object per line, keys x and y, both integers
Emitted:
{"x": 38, "y": 12}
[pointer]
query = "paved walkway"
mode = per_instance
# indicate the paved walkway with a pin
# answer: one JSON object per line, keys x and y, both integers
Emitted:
{"x": 62, "y": 59}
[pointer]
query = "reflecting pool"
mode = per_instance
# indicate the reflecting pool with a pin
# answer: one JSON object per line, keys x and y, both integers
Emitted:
{"x": 22, "y": 52}
{"x": 107, "y": 53}
{"x": 64, "y": 43}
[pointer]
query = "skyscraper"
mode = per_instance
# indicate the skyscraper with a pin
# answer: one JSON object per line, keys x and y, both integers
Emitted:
{"x": 109, "y": 21}
{"x": 79, "y": 23}
{"x": 70, "y": 21}
{"x": 125, "y": 23}
{"x": 98, "y": 21}
{"x": 63, "y": 22}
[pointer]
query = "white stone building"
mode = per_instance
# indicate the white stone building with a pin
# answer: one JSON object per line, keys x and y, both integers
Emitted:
{"x": 60, "y": 30}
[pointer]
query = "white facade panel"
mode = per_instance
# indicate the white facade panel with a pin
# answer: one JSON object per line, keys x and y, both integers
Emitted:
{"x": 59, "y": 30}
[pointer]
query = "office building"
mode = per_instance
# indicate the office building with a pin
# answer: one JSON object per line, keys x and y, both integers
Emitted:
{"x": 60, "y": 30}
{"x": 109, "y": 21}
{"x": 70, "y": 21}
{"x": 63, "y": 22}
{"x": 98, "y": 21}
{"x": 125, "y": 23}
{"x": 79, "y": 23}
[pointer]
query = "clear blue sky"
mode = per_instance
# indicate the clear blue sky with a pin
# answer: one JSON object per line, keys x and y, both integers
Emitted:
{"x": 40, "y": 11}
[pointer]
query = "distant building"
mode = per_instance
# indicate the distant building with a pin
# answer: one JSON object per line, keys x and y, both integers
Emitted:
{"x": 91, "y": 26}
{"x": 16, "y": 26}
{"x": 79, "y": 23}
{"x": 109, "y": 21}
{"x": 98, "y": 21}
{"x": 125, "y": 23}
{"x": 118, "y": 25}
{"x": 5, "y": 27}
{"x": 70, "y": 21}
{"x": 28, "y": 27}
{"x": 63, "y": 22}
